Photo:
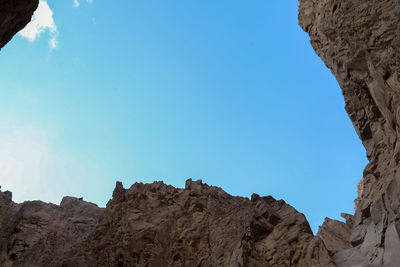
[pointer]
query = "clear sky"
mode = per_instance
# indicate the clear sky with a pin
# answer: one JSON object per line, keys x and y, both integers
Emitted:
{"x": 230, "y": 92}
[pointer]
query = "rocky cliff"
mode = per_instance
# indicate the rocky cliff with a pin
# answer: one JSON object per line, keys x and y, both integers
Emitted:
{"x": 159, "y": 225}
{"x": 359, "y": 41}
{"x": 200, "y": 225}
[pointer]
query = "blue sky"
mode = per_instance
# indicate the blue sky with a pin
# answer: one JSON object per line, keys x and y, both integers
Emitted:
{"x": 230, "y": 92}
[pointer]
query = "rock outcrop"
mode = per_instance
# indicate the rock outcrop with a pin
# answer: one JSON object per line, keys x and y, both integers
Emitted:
{"x": 14, "y": 15}
{"x": 359, "y": 41}
{"x": 36, "y": 233}
{"x": 335, "y": 234}
{"x": 159, "y": 225}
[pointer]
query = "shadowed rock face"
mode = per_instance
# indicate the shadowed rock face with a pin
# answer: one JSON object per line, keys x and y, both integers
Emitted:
{"x": 37, "y": 234}
{"x": 360, "y": 42}
{"x": 14, "y": 15}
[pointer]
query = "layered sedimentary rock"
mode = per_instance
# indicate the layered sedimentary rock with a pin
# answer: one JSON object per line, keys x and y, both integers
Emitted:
{"x": 360, "y": 42}
{"x": 335, "y": 234}
{"x": 159, "y": 225}
{"x": 14, "y": 15}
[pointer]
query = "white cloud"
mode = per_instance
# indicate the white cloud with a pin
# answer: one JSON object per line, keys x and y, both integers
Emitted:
{"x": 42, "y": 21}
{"x": 53, "y": 42}
{"x": 76, "y": 3}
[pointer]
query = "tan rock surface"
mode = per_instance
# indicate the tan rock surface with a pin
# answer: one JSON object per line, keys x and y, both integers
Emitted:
{"x": 360, "y": 42}
{"x": 335, "y": 234}
{"x": 159, "y": 225}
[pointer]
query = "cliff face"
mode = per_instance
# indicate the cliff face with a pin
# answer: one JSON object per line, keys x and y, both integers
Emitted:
{"x": 14, "y": 15}
{"x": 360, "y": 42}
{"x": 36, "y": 234}
{"x": 159, "y": 225}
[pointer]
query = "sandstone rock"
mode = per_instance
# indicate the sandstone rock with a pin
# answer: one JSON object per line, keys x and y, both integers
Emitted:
{"x": 159, "y": 225}
{"x": 335, "y": 234}
{"x": 360, "y": 42}
{"x": 36, "y": 233}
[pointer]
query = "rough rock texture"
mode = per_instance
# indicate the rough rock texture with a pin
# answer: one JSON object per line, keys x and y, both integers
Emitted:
{"x": 159, "y": 225}
{"x": 335, "y": 234}
{"x": 14, "y": 15}
{"x": 360, "y": 42}
{"x": 36, "y": 233}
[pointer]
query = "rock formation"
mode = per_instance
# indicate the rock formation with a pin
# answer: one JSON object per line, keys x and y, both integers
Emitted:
{"x": 359, "y": 41}
{"x": 36, "y": 234}
{"x": 14, "y": 15}
{"x": 159, "y": 225}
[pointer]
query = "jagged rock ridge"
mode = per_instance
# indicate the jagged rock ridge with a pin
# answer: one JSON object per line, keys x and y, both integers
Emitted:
{"x": 158, "y": 225}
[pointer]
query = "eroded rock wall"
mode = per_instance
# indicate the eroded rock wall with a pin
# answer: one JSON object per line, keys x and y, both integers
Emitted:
{"x": 360, "y": 42}
{"x": 159, "y": 225}
{"x": 14, "y": 15}
{"x": 37, "y": 234}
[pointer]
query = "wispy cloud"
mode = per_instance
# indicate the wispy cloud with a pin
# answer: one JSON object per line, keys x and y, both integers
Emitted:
{"x": 76, "y": 3}
{"x": 42, "y": 21}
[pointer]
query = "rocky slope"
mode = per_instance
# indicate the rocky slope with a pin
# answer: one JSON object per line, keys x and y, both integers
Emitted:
{"x": 159, "y": 225}
{"x": 14, "y": 15}
{"x": 360, "y": 42}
